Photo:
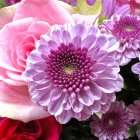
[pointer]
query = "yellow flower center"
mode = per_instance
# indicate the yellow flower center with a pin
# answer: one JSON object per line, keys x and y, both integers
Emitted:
{"x": 68, "y": 69}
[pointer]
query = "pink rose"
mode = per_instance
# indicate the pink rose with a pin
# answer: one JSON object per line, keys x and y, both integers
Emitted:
{"x": 19, "y": 33}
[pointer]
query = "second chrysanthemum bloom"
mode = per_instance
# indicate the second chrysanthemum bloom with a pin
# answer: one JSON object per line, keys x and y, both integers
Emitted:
{"x": 126, "y": 32}
{"x": 114, "y": 124}
{"x": 69, "y": 75}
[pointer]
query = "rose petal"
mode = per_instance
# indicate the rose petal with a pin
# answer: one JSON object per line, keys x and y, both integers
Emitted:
{"x": 50, "y": 11}
{"x": 6, "y": 35}
{"x": 15, "y": 103}
{"x": 39, "y": 27}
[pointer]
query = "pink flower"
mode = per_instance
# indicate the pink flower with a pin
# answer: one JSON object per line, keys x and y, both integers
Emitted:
{"x": 17, "y": 39}
{"x": 69, "y": 75}
{"x": 114, "y": 124}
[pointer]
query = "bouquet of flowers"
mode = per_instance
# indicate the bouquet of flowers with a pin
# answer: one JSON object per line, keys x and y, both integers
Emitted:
{"x": 70, "y": 70}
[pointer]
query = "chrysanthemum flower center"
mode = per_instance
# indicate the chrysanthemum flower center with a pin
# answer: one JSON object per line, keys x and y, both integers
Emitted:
{"x": 111, "y": 122}
{"x": 127, "y": 28}
{"x": 69, "y": 67}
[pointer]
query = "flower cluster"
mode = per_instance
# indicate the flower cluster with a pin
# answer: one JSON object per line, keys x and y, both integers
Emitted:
{"x": 71, "y": 60}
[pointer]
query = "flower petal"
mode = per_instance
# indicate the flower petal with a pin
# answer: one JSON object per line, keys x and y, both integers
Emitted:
{"x": 15, "y": 103}
{"x": 51, "y": 11}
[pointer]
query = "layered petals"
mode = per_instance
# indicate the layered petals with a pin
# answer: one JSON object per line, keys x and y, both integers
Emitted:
{"x": 15, "y": 103}
{"x": 126, "y": 37}
{"x": 69, "y": 75}
{"x": 51, "y": 11}
{"x": 24, "y": 26}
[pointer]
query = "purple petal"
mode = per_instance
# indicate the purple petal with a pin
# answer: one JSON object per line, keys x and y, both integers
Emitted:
{"x": 91, "y": 2}
{"x": 73, "y": 3}
{"x": 123, "y": 10}
{"x": 108, "y": 7}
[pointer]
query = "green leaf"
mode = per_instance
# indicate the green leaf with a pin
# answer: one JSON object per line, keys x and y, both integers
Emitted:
{"x": 101, "y": 19}
{"x": 133, "y": 129}
{"x": 3, "y": 3}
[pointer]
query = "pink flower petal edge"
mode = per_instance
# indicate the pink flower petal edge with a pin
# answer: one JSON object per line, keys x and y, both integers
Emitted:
{"x": 15, "y": 100}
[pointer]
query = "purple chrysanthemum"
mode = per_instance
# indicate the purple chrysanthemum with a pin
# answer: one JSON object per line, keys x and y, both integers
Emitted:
{"x": 126, "y": 30}
{"x": 136, "y": 69}
{"x": 69, "y": 75}
{"x": 134, "y": 113}
{"x": 134, "y": 110}
{"x": 114, "y": 124}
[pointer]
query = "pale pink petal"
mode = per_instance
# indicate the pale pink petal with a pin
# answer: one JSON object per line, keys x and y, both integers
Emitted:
{"x": 7, "y": 34}
{"x": 39, "y": 27}
{"x": 15, "y": 103}
{"x": 48, "y": 10}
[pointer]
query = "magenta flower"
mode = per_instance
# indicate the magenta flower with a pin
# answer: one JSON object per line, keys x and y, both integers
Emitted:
{"x": 69, "y": 75}
{"x": 136, "y": 69}
{"x": 10, "y": 2}
{"x": 114, "y": 124}
{"x": 126, "y": 30}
